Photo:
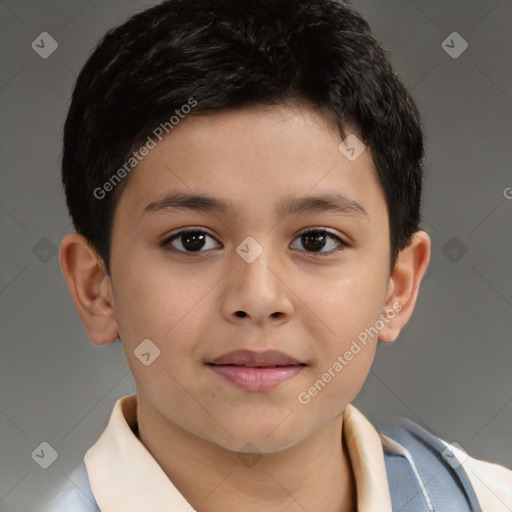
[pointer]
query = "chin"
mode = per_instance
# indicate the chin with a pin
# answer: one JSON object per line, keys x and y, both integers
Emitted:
{"x": 267, "y": 436}
{"x": 260, "y": 445}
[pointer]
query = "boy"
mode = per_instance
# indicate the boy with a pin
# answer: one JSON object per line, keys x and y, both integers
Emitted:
{"x": 245, "y": 181}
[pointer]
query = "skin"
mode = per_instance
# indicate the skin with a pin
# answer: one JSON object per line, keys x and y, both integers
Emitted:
{"x": 307, "y": 304}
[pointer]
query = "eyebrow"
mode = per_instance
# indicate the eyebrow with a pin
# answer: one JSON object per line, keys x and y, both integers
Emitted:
{"x": 337, "y": 203}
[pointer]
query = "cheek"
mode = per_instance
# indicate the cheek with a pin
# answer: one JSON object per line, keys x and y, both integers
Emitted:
{"x": 336, "y": 384}
{"x": 153, "y": 299}
{"x": 169, "y": 310}
{"x": 345, "y": 351}
{"x": 347, "y": 331}
{"x": 347, "y": 302}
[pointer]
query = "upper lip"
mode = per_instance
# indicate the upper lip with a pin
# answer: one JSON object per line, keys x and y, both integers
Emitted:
{"x": 251, "y": 358}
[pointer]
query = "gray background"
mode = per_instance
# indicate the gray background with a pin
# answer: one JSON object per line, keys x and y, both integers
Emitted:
{"x": 449, "y": 369}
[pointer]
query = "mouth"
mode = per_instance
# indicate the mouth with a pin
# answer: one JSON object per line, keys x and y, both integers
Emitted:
{"x": 256, "y": 371}
{"x": 249, "y": 358}
{"x": 253, "y": 366}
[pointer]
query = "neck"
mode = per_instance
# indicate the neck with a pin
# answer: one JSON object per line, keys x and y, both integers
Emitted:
{"x": 308, "y": 476}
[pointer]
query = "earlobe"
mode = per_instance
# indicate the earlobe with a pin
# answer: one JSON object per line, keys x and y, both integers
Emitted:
{"x": 404, "y": 284}
{"x": 90, "y": 287}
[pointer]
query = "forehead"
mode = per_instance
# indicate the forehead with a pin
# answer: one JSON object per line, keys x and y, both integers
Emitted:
{"x": 252, "y": 156}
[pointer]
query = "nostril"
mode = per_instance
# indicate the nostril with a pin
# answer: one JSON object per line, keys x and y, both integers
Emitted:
{"x": 241, "y": 314}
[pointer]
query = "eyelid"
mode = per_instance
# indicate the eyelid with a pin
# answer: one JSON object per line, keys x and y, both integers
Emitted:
{"x": 321, "y": 228}
{"x": 186, "y": 229}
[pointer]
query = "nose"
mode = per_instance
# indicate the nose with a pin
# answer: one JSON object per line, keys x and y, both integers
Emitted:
{"x": 257, "y": 292}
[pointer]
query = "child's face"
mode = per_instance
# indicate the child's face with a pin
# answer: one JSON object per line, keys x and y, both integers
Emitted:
{"x": 309, "y": 305}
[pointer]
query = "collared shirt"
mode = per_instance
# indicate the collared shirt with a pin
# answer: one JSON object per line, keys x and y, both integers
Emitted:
{"x": 124, "y": 476}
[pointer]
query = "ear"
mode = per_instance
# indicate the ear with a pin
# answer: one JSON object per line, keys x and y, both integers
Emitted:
{"x": 90, "y": 287}
{"x": 404, "y": 284}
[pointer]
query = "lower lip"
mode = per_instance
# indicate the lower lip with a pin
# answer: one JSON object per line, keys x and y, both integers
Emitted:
{"x": 256, "y": 379}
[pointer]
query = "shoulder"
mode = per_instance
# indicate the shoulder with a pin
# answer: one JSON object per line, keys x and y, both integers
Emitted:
{"x": 447, "y": 468}
{"x": 76, "y": 494}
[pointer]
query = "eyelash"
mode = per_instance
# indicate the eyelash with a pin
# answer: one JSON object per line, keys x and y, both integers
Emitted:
{"x": 341, "y": 243}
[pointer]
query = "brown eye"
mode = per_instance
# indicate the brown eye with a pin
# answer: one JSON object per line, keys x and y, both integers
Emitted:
{"x": 191, "y": 241}
{"x": 315, "y": 240}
